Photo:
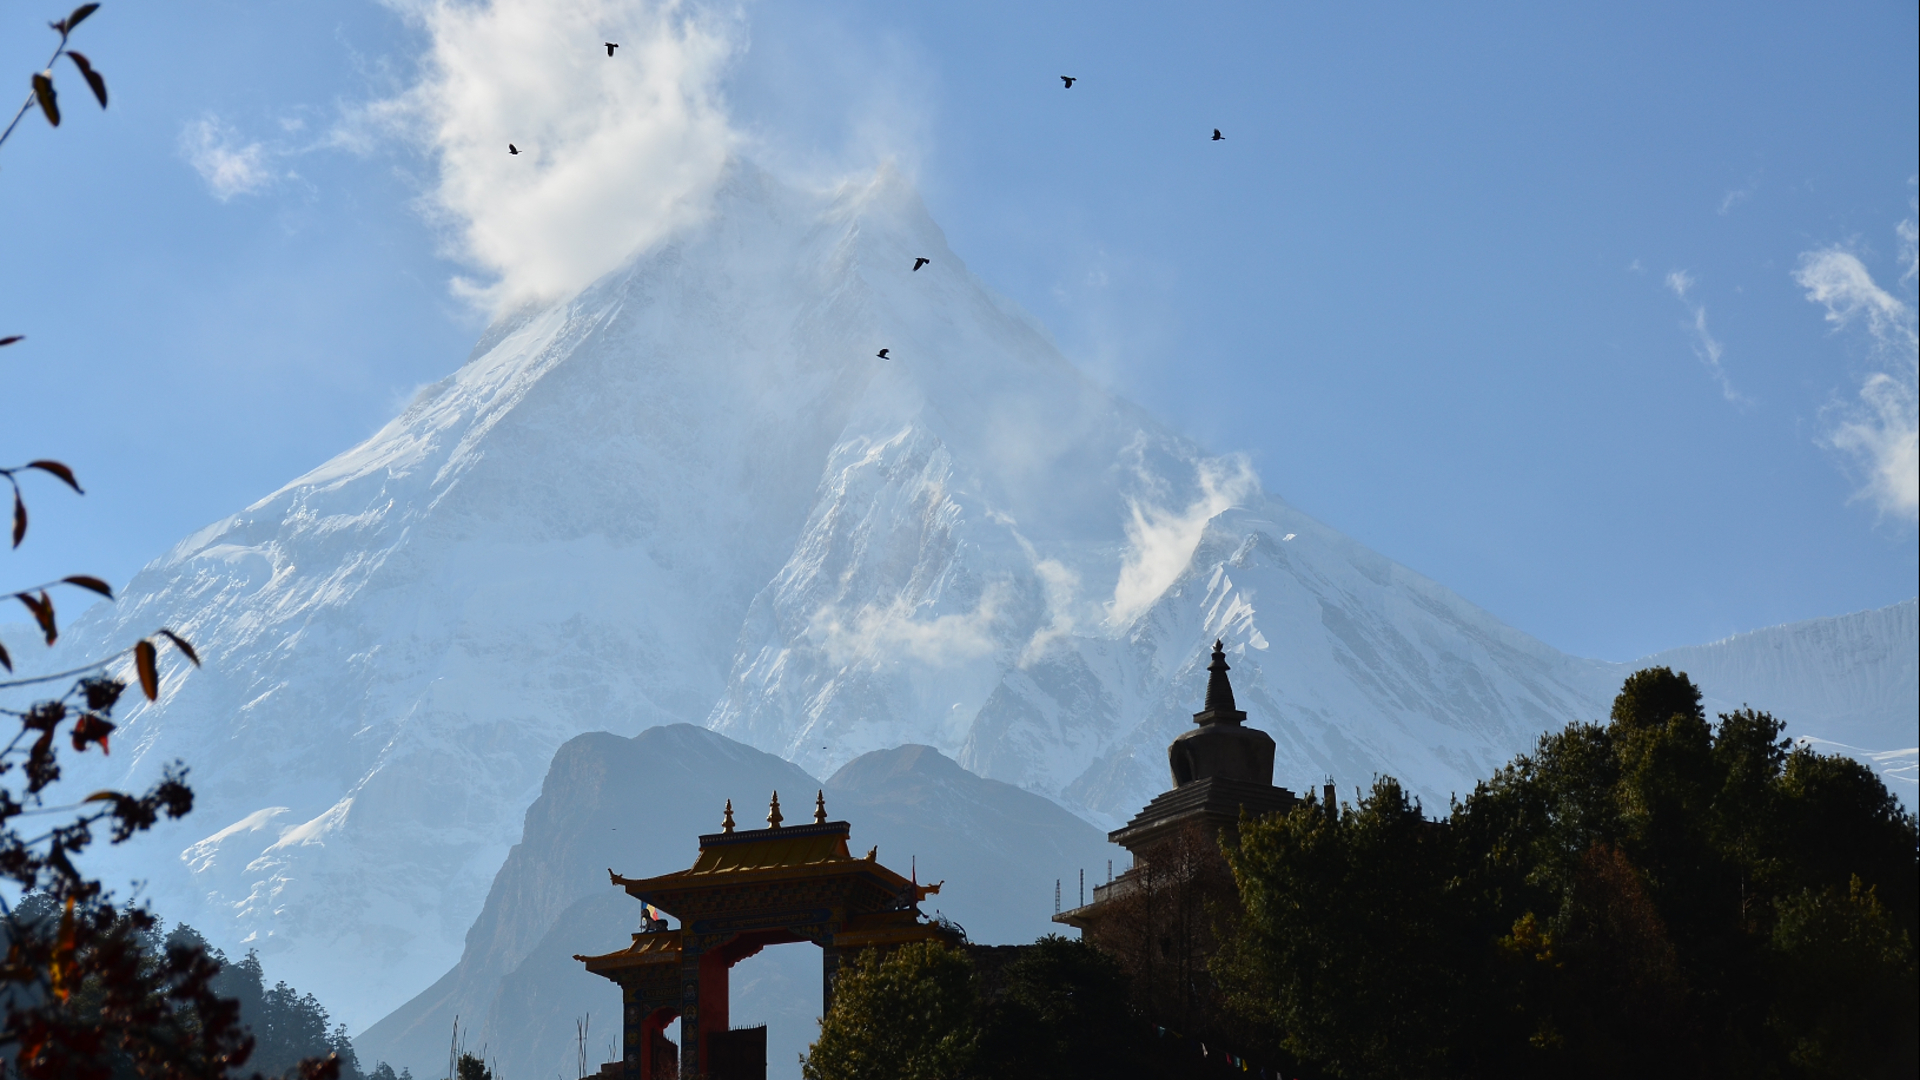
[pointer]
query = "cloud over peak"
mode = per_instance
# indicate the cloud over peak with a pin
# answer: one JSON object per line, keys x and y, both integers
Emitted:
{"x": 615, "y": 151}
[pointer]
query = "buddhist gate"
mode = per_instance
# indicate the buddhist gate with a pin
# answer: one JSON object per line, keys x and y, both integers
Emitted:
{"x": 747, "y": 890}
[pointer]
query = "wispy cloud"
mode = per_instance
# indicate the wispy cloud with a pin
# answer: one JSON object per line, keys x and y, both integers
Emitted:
{"x": 893, "y": 629}
{"x": 615, "y": 151}
{"x": 1878, "y": 431}
{"x": 229, "y": 166}
{"x": 1709, "y": 350}
{"x": 1161, "y": 538}
{"x": 1737, "y": 196}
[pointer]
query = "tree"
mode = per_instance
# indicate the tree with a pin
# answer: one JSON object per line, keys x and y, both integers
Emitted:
{"x": 1654, "y": 896}
{"x": 1847, "y": 978}
{"x": 1348, "y": 936}
{"x": 43, "y": 93}
{"x": 87, "y": 987}
{"x": 908, "y": 1015}
{"x": 1178, "y": 903}
{"x": 1064, "y": 1011}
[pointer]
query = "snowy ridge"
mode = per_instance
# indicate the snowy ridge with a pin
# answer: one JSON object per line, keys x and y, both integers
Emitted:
{"x": 692, "y": 493}
{"x": 1851, "y": 679}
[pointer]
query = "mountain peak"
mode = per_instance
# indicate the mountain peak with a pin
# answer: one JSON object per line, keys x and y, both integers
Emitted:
{"x": 692, "y": 494}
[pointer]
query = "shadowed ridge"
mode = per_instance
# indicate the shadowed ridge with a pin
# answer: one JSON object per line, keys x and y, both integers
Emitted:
{"x": 999, "y": 848}
{"x": 636, "y": 804}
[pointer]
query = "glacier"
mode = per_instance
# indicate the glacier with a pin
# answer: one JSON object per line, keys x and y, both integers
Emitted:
{"x": 692, "y": 493}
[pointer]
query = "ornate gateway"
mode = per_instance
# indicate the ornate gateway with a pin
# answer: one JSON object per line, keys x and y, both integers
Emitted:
{"x": 748, "y": 890}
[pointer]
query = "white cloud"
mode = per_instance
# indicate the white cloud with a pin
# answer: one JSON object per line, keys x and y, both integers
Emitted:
{"x": 1161, "y": 539}
{"x": 1061, "y": 586}
{"x": 892, "y": 629}
{"x": 1878, "y": 431}
{"x": 214, "y": 151}
{"x": 615, "y": 151}
{"x": 1705, "y": 347}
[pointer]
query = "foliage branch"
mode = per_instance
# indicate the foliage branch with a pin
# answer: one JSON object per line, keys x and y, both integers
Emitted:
{"x": 86, "y": 995}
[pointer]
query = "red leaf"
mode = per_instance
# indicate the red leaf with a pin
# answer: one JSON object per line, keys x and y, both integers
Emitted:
{"x": 143, "y": 655}
{"x": 86, "y": 582}
{"x": 5, "y": 660}
{"x": 94, "y": 81}
{"x": 42, "y": 608}
{"x": 66, "y": 25}
{"x": 327, "y": 1068}
{"x": 181, "y": 644}
{"x": 11, "y": 338}
{"x": 60, "y": 972}
{"x": 92, "y": 727}
{"x": 49, "y": 101}
{"x": 19, "y": 518}
{"x": 58, "y": 470}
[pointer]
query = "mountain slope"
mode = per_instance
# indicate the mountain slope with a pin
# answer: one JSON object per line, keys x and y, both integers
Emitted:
{"x": 1851, "y": 679}
{"x": 693, "y": 494}
{"x": 638, "y": 805}
{"x": 606, "y": 801}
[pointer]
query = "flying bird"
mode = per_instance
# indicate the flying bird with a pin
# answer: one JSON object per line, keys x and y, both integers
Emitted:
{"x": 920, "y": 262}
{"x": 882, "y": 354}
{"x": 512, "y": 149}
{"x": 1069, "y": 80}
{"x": 611, "y": 45}
{"x": 1216, "y": 136}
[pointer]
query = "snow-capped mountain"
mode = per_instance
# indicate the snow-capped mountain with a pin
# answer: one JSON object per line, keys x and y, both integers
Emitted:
{"x": 694, "y": 493}
{"x": 1849, "y": 679}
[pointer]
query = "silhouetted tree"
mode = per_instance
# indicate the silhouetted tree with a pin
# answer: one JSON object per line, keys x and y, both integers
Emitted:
{"x": 1064, "y": 1011}
{"x": 1655, "y": 896}
{"x": 89, "y": 990}
{"x": 1177, "y": 904}
{"x": 908, "y": 1015}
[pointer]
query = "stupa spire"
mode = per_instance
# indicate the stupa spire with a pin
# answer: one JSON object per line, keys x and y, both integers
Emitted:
{"x": 1219, "y": 690}
{"x": 726, "y": 819}
{"x": 819, "y": 808}
{"x": 773, "y": 812}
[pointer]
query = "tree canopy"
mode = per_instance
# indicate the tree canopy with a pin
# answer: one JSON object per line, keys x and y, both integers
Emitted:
{"x": 1656, "y": 896}
{"x": 905, "y": 1015}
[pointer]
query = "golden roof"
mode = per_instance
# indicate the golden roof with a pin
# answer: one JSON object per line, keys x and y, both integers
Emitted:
{"x": 801, "y": 845}
{"x": 815, "y": 850}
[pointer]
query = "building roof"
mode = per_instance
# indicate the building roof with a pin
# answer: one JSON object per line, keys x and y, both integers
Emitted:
{"x": 731, "y": 857}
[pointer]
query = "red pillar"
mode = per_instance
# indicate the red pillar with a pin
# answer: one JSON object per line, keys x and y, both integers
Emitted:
{"x": 653, "y": 1031}
{"x": 713, "y": 998}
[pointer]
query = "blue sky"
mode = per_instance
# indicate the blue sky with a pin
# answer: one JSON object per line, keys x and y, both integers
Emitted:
{"x": 1516, "y": 294}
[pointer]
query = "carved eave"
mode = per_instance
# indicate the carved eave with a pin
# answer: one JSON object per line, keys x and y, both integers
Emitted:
{"x": 662, "y": 947}
{"x": 732, "y": 860}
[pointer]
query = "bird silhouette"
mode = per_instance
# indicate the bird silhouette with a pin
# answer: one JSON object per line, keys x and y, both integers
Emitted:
{"x": 882, "y": 354}
{"x": 512, "y": 149}
{"x": 611, "y": 45}
{"x": 1216, "y": 136}
{"x": 1069, "y": 80}
{"x": 920, "y": 262}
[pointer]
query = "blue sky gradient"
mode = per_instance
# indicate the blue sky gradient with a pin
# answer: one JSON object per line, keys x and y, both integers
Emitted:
{"x": 1426, "y": 282}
